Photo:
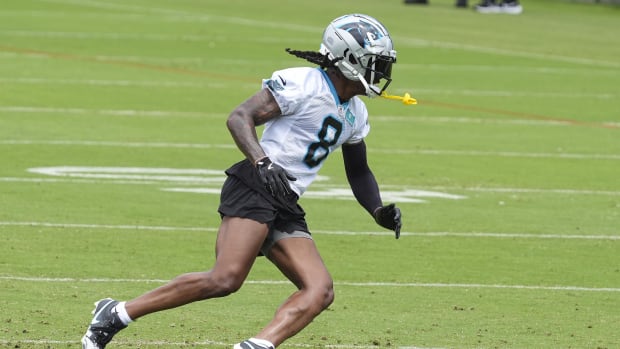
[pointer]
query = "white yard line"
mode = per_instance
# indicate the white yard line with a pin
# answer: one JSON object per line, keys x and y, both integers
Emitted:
{"x": 105, "y": 226}
{"x": 17, "y": 109}
{"x": 341, "y": 283}
{"x": 133, "y": 59}
{"x": 149, "y": 344}
{"x": 152, "y": 181}
{"x": 121, "y": 144}
{"x": 538, "y": 70}
{"x": 464, "y": 120}
{"x": 483, "y": 68}
{"x": 414, "y": 42}
{"x": 88, "y": 181}
{"x": 529, "y": 190}
{"x": 113, "y": 83}
{"x": 500, "y": 93}
{"x": 325, "y": 232}
{"x": 181, "y": 84}
{"x": 108, "y": 112}
{"x": 509, "y": 154}
{"x": 141, "y": 37}
{"x": 21, "y": 55}
{"x": 104, "y": 36}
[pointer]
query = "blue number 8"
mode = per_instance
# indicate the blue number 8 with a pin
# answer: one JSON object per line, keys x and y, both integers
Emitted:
{"x": 318, "y": 151}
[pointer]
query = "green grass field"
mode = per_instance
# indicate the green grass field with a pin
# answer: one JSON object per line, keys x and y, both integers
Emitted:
{"x": 113, "y": 145}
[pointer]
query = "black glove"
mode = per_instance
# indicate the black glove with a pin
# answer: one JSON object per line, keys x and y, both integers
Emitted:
{"x": 274, "y": 177}
{"x": 389, "y": 217}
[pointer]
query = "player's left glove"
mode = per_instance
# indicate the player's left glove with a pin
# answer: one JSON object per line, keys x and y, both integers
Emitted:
{"x": 274, "y": 177}
{"x": 389, "y": 217}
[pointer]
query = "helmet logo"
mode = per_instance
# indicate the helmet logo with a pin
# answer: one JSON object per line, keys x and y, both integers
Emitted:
{"x": 371, "y": 36}
{"x": 364, "y": 33}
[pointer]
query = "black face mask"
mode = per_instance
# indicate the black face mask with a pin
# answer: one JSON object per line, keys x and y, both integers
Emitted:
{"x": 378, "y": 69}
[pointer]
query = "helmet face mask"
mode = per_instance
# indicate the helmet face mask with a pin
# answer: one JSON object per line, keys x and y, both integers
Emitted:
{"x": 364, "y": 51}
{"x": 379, "y": 68}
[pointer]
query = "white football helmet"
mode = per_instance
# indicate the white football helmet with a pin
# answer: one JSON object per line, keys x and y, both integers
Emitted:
{"x": 363, "y": 48}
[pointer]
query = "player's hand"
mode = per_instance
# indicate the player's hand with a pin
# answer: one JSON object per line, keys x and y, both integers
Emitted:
{"x": 274, "y": 177}
{"x": 389, "y": 217}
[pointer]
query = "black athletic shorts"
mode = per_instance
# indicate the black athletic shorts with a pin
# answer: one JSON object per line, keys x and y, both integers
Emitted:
{"x": 244, "y": 195}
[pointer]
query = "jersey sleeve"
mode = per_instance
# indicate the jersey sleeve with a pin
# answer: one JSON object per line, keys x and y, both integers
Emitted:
{"x": 287, "y": 89}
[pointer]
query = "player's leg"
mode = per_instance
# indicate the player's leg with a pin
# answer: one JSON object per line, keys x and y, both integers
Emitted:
{"x": 238, "y": 243}
{"x": 299, "y": 260}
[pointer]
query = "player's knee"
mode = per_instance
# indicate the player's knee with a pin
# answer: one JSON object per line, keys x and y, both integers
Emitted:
{"x": 328, "y": 296}
{"x": 224, "y": 284}
{"x": 205, "y": 285}
{"x": 320, "y": 298}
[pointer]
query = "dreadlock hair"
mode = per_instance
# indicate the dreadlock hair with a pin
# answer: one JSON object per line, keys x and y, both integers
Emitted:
{"x": 315, "y": 57}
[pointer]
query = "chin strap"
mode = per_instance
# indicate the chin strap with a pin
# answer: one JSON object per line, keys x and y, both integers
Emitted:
{"x": 406, "y": 99}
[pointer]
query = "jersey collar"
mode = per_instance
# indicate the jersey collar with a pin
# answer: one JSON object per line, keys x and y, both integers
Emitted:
{"x": 333, "y": 89}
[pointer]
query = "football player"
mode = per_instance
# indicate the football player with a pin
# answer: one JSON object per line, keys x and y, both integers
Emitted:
{"x": 307, "y": 113}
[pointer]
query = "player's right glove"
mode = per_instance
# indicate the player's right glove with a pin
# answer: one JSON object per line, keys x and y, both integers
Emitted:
{"x": 389, "y": 217}
{"x": 274, "y": 177}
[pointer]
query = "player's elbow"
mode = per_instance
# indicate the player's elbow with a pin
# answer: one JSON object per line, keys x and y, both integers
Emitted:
{"x": 233, "y": 121}
{"x": 239, "y": 120}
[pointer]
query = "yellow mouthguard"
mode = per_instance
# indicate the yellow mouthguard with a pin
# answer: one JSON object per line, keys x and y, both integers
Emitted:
{"x": 406, "y": 99}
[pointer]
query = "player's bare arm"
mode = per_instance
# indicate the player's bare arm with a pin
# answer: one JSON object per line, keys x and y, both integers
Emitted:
{"x": 242, "y": 122}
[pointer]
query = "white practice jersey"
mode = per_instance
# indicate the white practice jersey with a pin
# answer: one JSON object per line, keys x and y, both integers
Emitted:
{"x": 313, "y": 124}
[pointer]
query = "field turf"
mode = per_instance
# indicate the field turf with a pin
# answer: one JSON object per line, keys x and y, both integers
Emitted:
{"x": 113, "y": 145}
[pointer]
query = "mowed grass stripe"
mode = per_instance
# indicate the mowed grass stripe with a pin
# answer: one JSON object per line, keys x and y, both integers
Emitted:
{"x": 404, "y": 41}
